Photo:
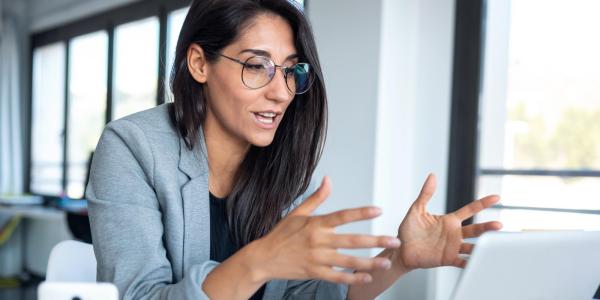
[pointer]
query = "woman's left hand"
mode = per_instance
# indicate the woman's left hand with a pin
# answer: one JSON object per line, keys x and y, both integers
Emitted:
{"x": 429, "y": 241}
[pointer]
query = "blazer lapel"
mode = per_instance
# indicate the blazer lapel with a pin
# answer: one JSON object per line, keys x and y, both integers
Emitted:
{"x": 196, "y": 209}
{"x": 196, "y": 212}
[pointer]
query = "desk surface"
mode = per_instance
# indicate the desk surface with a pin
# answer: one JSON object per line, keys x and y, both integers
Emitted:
{"x": 33, "y": 211}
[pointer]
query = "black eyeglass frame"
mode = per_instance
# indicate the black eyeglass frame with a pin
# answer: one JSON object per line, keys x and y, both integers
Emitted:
{"x": 284, "y": 70}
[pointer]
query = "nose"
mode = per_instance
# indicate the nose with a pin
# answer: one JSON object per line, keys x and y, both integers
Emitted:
{"x": 277, "y": 89}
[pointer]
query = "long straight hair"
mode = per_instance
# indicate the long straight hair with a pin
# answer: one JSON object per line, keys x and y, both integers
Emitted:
{"x": 269, "y": 178}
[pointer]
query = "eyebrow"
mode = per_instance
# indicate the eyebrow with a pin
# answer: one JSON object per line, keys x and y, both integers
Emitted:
{"x": 267, "y": 54}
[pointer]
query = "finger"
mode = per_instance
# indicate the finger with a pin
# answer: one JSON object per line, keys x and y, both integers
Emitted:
{"x": 460, "y": 263}
{"x": 476, "y": 206}
{"x": 426, "y": 192}
{"x": 356, "y": 241}
{"x": 317, "y": 198}
{"x": 466, "y": 248}
{"x": 345, "y": 216}
{"x": 356, "y": 263}
{"x": 476, "y": 230}
{"x": 329, "y": 274}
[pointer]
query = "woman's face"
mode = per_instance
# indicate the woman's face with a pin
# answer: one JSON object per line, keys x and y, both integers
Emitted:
{"x": 251, "y": 116}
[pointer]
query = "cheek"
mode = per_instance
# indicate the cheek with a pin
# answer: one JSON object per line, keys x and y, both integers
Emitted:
{"x": 228, "y": 96}
{"x": 231, "y": 105}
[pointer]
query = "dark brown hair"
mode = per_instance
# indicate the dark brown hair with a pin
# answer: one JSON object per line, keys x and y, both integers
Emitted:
{"x": 269, "y": 178}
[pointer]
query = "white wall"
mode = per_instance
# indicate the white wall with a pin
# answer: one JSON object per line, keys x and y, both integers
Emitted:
{"x": 347, "y": 34}
{"x": 15, "y": 13}
{"x": 388, "y": 68}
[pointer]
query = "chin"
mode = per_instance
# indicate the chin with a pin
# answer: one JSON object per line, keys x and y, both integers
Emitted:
{"x": 261, "y": 140}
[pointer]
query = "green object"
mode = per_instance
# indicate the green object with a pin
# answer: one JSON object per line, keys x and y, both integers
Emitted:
{"x": 7, "y": 230}
{"x": 8, "y": 283}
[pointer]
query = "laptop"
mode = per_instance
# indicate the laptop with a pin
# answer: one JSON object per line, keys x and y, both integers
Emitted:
{"x": 561, "y": 265}
{"x": 51, "y": 290}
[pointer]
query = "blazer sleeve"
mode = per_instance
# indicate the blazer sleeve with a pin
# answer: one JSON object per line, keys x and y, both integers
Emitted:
{"x": 315, "y": 289}
{"x": 126, "y": 223}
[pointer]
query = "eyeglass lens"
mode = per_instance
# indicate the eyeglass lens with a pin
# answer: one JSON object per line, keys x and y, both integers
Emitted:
{"x": 259, "y": 71}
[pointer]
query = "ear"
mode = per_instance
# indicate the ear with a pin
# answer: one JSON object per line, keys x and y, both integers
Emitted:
{"x": 196, "y": 63}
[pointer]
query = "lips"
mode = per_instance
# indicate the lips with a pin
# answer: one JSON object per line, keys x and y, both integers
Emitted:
{"x": 266, "y": 119}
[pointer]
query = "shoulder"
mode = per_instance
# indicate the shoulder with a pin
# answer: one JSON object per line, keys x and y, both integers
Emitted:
{"x": 153, "y": 120}
{"x": 151, "y": 127}
{"x": 141, "y": 138}
{"x": 130, "y": 148}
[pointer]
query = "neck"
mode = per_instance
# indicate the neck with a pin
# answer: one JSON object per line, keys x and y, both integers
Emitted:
{"x": 225, "y": 154}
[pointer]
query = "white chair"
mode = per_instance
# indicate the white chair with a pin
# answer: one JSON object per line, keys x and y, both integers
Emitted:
{"x": 71, "y": 261}
{"x": 71, "y": 274}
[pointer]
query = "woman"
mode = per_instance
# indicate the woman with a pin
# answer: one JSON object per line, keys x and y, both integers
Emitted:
{"x": 202, "y": 198}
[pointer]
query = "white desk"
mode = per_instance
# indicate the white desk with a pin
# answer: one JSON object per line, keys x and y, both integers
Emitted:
{"x": 33, "y": 212}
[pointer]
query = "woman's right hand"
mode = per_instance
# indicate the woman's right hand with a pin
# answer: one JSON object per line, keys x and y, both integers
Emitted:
{"x": 302, "y": 246}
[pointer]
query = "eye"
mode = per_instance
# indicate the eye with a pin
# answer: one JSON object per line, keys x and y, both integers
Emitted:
{"x": 289, "y": 70}
{"x": 255, "y": 67}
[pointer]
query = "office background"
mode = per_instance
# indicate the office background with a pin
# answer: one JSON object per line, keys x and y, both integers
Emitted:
{"x": 497, "y": 97}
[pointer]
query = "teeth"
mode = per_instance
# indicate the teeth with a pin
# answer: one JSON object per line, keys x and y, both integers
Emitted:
{"x": 267, "y": 114}
{"x": 264, "y": 120}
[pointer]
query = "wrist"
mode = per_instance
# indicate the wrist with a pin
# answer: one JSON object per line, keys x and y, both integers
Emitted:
{"x": 238, "y": 277}
{"x": 398, "y": 265}
{"x": 255, "y": 262}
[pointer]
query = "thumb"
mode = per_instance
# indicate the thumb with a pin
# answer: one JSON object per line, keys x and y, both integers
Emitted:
{"x": 426, "y": 192}
{"x": 315, "y": 200}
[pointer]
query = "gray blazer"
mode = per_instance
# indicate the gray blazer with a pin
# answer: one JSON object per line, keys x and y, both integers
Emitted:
{"x": 149, "y": 215}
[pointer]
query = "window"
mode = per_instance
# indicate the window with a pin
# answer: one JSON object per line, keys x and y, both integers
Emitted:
{"x": 85, "y": 74}
{"x": 47, "y": 133}
{"x": 539, "y": 105}
{"x": 301, "y": 3}
{"x": 135, "y": 67}
{"x": 87, "y": 105}
{"x": 175, "y": 21}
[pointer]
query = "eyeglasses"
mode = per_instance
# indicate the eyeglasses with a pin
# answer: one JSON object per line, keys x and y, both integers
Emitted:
{"x": 258, "y": 71}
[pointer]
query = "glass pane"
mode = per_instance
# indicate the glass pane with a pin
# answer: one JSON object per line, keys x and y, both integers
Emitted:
{"x": 135, "y": 67}
{"x": 300, "y": 3}
{"x": 543, "y": 191}
{"x": 523, "y": 220}
{"x": 541, "y": 87}
{"x": 175, "y": 21}
{"x": 47, "y": 117}
{"x": 87, "y": 104}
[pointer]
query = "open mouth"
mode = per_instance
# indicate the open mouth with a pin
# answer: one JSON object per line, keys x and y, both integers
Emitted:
{"x": 267, "y": 118}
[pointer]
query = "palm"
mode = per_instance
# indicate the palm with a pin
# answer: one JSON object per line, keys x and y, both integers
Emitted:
{"x": 431, "y": 241}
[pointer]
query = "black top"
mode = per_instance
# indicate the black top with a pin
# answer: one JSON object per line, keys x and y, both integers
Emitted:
{"x": 222, "y": 245}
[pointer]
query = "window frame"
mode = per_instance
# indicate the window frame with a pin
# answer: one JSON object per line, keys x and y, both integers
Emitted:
{"x": 108, "y": 21}
{"x": 104, "y": 21}
{"x": 463, "y": 165}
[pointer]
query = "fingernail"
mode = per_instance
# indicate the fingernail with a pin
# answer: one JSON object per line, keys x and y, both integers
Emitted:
{"x": 367, "y": 278}
{"x": 376, "y": 210}
{"x": 393, "y": 243}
